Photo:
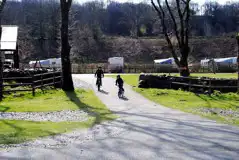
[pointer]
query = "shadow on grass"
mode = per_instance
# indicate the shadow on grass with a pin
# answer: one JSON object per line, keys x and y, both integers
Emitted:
{"x": 97, "y": 113}
{"x": 209, "y": 105}
{"x": 100, "y": 114}
{"x": 218, "y": 100}
{"x": 4, "y": 108}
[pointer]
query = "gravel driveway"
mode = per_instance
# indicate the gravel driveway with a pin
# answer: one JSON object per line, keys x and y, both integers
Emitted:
{"x": 145, "y": 130}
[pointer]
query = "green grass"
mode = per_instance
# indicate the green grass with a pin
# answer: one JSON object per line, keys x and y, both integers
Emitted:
{"x": 17, "y": 131}
{"x": 13, "y": 132}
{"x": 189, "y": 102}
{"x": 52, "y": 100}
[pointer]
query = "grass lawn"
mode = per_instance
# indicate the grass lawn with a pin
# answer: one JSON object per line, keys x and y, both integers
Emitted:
{"x": 13, "y": 132}
{"x": 52, "y": 100}
{"x": 190, "y": 102}
{"x": 16, "y": 131}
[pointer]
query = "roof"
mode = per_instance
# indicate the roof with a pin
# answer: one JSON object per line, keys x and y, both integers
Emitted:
{"x": 9, "y": 38}
{"x": 221, "y": 60}
{"x": 163, "y": 61}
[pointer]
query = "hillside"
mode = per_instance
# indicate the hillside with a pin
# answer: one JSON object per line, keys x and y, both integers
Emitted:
{"x": 145, "y": 50}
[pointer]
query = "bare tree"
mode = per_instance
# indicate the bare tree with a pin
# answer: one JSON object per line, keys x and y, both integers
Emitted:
{"x": 180, "y": 30}
{"x": 65, "y": 46}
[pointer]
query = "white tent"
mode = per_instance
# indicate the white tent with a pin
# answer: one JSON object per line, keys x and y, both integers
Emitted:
{"x": 160, "y": 61}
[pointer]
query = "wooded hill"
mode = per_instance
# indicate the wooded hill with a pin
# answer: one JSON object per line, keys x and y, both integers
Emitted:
{"x": 98, "y": 30}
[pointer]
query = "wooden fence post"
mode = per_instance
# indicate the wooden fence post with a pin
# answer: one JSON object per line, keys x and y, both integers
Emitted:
{"x": 54, "y": 79}
{"x": 210, "y": 85}
{"x": 189, "y": 84}
{"x": 33, "y": 86}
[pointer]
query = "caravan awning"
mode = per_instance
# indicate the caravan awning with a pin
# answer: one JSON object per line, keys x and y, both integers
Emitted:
{"x": 224, "y": 60}
{"x": 9, "y": 38}
{"x": 163, "y": 61}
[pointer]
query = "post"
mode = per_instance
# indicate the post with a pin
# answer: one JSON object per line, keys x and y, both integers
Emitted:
{"x": 210, "y": 84}
{"x": 41, "y": 82}
{"x": 33, "y": 86}
{"x": 54, "y": 79}
{"x": 189, "y": 84}
{"x": 237, "y": 37}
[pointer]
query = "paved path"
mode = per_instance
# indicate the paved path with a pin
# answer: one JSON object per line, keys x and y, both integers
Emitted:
{"x": 145, "y": 130}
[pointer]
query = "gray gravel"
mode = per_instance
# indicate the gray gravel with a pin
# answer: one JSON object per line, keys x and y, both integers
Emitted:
{"x": 79, "y": 136}
{"x": 221, "y": 112}
{"x": 58, "y": 116}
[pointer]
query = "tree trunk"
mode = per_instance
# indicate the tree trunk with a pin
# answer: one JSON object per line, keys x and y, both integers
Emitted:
{"x": 184, "y": 70}
{"x": 65, "y": 50}
{"x": 16, "y": 58}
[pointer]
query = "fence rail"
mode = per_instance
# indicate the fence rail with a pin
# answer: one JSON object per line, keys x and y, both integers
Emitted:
{"x": 204, "y": 83}
{"x": 34, "y": 82}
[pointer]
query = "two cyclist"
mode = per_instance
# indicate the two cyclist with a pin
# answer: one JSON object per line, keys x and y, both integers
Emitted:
{"x": 99, "y": 74}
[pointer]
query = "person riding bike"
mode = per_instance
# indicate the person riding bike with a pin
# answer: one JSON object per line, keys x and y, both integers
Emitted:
{"x": 99, "y": 74}
{"x": 120, "y": 83}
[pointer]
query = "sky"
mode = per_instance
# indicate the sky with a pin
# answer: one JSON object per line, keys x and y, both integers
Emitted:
{"x": 200, "y": 2}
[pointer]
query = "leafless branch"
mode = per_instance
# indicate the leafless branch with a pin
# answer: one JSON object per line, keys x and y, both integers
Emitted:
{"x": 161, "y": 15}
{"x": 174, "y": 22}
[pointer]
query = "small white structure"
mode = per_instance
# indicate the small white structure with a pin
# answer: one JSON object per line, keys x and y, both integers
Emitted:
{"x": 115, "y": 64}
{"x": 222, "y": 64}
{"x": 47, "y": 63}
{"x": 221, "y": 61}
{"x": 165, "y": 65}
{"x": 166, "y": 61}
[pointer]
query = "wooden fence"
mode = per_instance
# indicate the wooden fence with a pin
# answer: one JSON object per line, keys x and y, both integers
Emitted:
{"x": 33, "y": 82}
{"x": 206, "y": 83}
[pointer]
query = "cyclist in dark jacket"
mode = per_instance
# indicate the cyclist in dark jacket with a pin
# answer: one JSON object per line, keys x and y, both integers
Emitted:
{"x": 99, "y": 74}
{"x": 119, "y": 82}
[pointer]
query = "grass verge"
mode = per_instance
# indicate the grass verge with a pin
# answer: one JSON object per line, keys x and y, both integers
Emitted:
{"x": 17, "y": 131}
{"x": 51, "y": 100}
{"x": 190, "y": 102}
{"x": 13, "y": 132}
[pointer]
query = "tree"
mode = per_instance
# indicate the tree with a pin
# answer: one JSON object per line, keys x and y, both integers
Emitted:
{"x": 180, "y": 30}
{"x": 2, "y": 4}
{"x": 65, "y": 46}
